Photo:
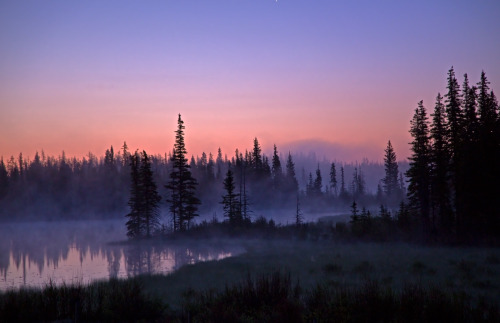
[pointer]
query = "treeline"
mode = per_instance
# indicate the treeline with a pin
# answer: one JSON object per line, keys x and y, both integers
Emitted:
{"x": 48, "y": 187}
{"x": 455, "y": 163}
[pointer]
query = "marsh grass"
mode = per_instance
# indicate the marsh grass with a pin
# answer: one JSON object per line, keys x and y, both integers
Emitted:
{"x": 276, "y": 298}
{"x": 114, "y": 300}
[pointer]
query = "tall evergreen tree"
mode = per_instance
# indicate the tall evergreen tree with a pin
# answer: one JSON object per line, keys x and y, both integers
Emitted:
{"x": 144, "y": 200}
{"x": 441, "y": 212}
{"x": 257, "y": 162}
{"x": 470, "y": 111}
{"x": 488, "y": 209}
{"x": 318, "y": 183}
{"x": 455, "y": 129}
{"x": 487, "y": 113}
{"x": 455, "y": 116}
{"x": 276, "y": 170}
{"x": 135, "y": 203}
{"x": 419, "y": 171}
{"x": 230, "y": 201}
{"x": 391, "y": 187}
{"x": 291, "y": 179}
{"x": 183, "y": 201}
{"x": 151, "y": 199}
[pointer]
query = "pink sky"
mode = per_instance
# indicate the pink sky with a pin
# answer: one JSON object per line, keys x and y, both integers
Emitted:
{"x": 81, "y": 77}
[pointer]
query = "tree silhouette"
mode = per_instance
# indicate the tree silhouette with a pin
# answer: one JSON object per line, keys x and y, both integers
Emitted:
{"x": 135, "y": 202}
{"x": 291, "y": 179}
{"x": 144, "y": 200}
{"x": 276, "y": 170}
{"x": 149, "y": 194}
{"x": 182, "y": 185}
{"x": 333, "y": 179}
{"x": 440, "y": 169}
{"x": 419, "y": 171}
{"x": 230, "y": 201}
{"x": 391, "y": 185}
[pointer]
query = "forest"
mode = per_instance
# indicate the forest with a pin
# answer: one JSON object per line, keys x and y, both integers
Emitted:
{"x": 447, "y": 189}
{"x": 96, "y": 187}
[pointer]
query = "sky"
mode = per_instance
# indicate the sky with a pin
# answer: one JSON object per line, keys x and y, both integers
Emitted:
{"x": 340, "y": 78}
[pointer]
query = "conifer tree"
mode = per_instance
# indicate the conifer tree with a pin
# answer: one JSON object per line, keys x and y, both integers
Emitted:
{"x": 470, "y": 112}
{"x": 257, "y": 162}
{"x": 318, "y": 183}
{"x": 488, "y": 158}
{"x": 230, "y": 202}
{"x": 143, "y": 219}
{"x": 419, "y": 171}
{"x": 455, "y": 116}
{"x": 151, "y": 199}
{"x": 135, "y": 203}
{"x": 441, "y": 212}
{"x": 183, "y": 201}
{"x": 276, "y": 170}
{"x": 291, "y": 179}
{"x": 333, "y": 179}
{"x": 391, "y": 187}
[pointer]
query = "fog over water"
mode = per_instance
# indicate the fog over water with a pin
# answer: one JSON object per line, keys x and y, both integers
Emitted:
{"x": 73, "y": 252}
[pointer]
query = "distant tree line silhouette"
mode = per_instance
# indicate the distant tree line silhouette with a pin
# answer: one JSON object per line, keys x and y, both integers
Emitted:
{"x": 50, "y": 187}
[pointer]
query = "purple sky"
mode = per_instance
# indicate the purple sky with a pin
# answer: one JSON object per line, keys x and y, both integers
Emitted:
{"x": 81, "y": 76}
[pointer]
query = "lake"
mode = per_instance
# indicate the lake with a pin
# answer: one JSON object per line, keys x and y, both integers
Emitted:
{"x": 74, "y": 252}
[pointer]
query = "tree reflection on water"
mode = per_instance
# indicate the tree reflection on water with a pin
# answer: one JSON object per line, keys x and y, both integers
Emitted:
{"x": 31, "y": 255}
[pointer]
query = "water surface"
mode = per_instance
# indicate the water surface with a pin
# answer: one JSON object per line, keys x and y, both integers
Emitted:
{"x": 33, "y": 254}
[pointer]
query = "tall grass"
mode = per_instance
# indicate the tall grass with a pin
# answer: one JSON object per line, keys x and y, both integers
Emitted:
{"x": 267, "y": 298}
{"x": 273, "y": 298}
{"x": 111, "y": 301}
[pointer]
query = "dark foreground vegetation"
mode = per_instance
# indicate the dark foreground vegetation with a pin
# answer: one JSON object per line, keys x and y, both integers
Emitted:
{"x": 267, "y": 298}
{"x": 111, "y": 301}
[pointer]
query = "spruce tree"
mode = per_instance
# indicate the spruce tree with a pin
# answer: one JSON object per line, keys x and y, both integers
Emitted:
{"x": 149, "y": 194}
{"x": 488, "y": 209}
{"x": 135, "y": 203}
{"x": 470, "y": 112}
{"x": 419, "y": 171}
{"x": 257, "y": 162}
{"x": 291, "y": 179}
{"x": 182, "y": 185}
{"x": 455, "y": 116}
{"x": 276, "y": 170}
{"x": 390, "y": 181}
{"x": 333, "y": 179}
{"x": 230, "y": 201}
{"x": 441, "y": 212}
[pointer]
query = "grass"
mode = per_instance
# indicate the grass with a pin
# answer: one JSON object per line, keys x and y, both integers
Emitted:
{"x": 457, "y": 269}
{"x": 322, "y": 278}
{"x": 111, "y": 301}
